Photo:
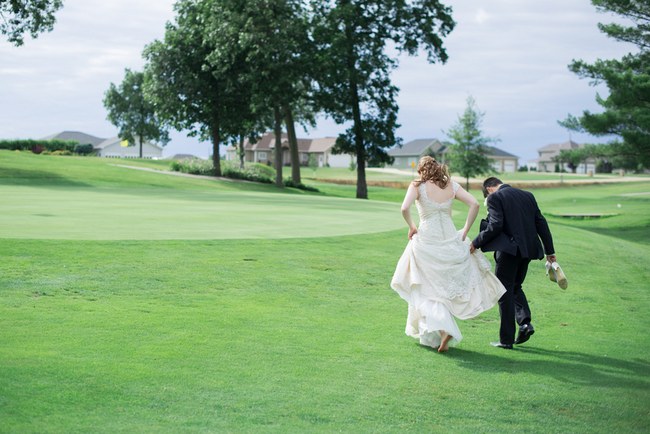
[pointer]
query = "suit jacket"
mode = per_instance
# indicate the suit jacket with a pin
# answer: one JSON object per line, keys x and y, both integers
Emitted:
{"x": 514, "y": 225}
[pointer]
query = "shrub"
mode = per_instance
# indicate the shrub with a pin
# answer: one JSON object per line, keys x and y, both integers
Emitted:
{"x": 46, "y": 145}
{"x": 83, "y": 149}
{"x": 251, "y": 172}
{"x": 299, "y": 185}
{"x": 194, "y": 166}
{"x": 61, "y": 152}
{"x": 255, "y": 172}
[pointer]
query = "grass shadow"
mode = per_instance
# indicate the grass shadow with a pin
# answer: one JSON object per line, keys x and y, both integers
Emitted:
{"x": 14, "y": 176}
{"x": 635, "y": 234}
{"x": 566, "y": 366}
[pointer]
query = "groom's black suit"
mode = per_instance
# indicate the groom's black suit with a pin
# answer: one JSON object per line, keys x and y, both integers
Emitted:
{"x": 513, "y": 231}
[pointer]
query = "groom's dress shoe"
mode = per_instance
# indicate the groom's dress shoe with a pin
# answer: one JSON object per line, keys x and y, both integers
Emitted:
{"x": 500, "y": 345}
{"x": 525, "y": 332}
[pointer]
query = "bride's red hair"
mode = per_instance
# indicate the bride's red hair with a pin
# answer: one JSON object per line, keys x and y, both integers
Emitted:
{"x": 430, "y": 170}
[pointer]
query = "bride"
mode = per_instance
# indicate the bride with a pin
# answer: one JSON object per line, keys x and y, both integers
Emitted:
{"x": 436, "y": 274}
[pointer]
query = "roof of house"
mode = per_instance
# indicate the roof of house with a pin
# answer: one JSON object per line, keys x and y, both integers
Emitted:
{"x": 417, "y": 147}
{"x": 76, "y": 136}
{"x": 267, "y": 143}
{"x": 322, "y": 145}
{"x": 113, "y": 140}
{"x": 496, "y": 152}
{"x": 570, "y": 144}
{"x": 183, "y": 157}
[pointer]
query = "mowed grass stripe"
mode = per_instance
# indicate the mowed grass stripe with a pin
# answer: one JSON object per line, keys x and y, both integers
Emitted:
{"x": 78, "y": 213}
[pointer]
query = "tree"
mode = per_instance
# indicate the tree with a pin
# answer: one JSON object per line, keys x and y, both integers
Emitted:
{"x": 467, "y": 153}
{"x": 180, "y": 80}
{"x": 627, "y": 108}
{"x": 271, "y": 39}
{"x": 573, "y": 158}
{"x": 18, "y": 17}
{"x": 353, "y": 78}
{"x": 132, "y": 113}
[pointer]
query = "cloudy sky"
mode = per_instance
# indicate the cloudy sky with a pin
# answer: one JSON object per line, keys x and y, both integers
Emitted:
{"x": 510, "y": 55}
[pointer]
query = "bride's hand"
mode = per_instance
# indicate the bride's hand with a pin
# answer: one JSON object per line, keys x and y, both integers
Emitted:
{"x": 412, "y": 231}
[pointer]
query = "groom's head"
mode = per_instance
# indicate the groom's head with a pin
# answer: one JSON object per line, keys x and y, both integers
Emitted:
{"x": 491, "y": 185}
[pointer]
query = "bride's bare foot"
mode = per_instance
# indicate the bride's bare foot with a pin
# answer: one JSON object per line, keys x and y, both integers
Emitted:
{"x": 444, "y": 344}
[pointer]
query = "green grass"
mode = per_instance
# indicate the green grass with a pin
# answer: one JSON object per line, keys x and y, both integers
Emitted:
{"x": 301, "y": 334}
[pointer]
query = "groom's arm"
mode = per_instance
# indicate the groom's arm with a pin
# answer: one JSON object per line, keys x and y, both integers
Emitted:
{"x": 494, "y": 222}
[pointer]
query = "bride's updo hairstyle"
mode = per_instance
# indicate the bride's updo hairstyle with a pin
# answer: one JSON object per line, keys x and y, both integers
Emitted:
{"x": 430, "y": 170}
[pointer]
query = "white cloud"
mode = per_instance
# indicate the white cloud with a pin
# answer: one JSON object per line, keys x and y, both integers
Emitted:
{"x": 481, "y": 16}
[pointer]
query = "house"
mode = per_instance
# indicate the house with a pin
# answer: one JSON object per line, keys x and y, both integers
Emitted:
{"x": 115, "y": 148}
{"x": 76, "y": 136}
{"x": 410, "y": 153}
{"x": 502, "y": 161}
{"x": 546, "y": 162}
{"x": 318, "y": 150}
{"x": 112, "y": 147}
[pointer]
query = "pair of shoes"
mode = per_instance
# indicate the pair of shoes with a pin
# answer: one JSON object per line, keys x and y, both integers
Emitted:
{"x": 525, "y": 332}
{"x": 500, "y": 345}
{"x": 555, "y": 273}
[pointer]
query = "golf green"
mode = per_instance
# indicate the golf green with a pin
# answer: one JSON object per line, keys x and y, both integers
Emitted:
{"x": 80, "y": 213}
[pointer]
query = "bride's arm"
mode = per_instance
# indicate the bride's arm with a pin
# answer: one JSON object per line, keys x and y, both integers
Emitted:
{"x": 472, "y": 203}
{"x": 409, "y": 198}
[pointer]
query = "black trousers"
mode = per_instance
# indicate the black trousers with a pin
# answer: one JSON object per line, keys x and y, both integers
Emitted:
{"x": 513, "y": 305}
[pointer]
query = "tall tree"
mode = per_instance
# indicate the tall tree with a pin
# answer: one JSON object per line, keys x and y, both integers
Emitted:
{"x": 627, "y": 108}
{"x": 354, "y": 68}
{"x": 18, "y": 17}
{"x": 468, "y": 150}
{"x": 186, "y": 91}
{"x": 132, "y": 113}
{"x": 271, "y": 36}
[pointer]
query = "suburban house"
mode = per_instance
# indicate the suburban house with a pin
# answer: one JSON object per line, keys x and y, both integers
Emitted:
{"x": 410, "y": 153}
{"x": 113, "y": 147}
{"x": 546, "y": 163}
{"x": 117, "y": 148}
{"x": 76, "y": 136}
{"x": 319, "y": 150}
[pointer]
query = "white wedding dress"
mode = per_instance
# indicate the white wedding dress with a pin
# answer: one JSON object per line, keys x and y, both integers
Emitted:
{"x": 439, "y": 278}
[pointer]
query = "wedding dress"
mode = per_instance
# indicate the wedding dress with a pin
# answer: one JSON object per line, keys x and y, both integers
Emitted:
{"x": 439, "y": 278}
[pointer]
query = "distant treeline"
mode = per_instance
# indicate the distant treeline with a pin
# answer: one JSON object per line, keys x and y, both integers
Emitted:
{"x": 38, "y": 146}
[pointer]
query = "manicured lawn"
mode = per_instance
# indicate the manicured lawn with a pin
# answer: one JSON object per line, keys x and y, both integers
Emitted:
{"x": 295, "y": 333}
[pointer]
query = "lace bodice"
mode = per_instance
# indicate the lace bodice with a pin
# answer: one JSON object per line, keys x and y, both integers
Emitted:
{"x": 435, "y": 217}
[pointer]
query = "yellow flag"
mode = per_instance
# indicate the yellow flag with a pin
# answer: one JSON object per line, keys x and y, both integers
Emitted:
{"x": 124, "y": 143}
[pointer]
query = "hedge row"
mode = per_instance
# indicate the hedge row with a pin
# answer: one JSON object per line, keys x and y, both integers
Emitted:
{"x": 45, "y": 145}
{"x": 48, "y": 146}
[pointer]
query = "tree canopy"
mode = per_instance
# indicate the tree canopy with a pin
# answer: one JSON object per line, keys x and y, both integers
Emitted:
{"x": 627, "y": 107}
{"x": 21, "y": 17}
{"x": 132, "y": 113}
{"x": 353, "y": 79}
{"x": 468, "y": 150}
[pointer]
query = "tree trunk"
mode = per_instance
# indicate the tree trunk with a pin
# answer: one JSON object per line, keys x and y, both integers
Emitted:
{"x": 140, "y": 140}
{"x": 277, "y": 128}
{"x": 242, "y": 152}
{"x": 362, "y": 188}
{"x": 293, "y": 145}
{"x": 216, "y": 158}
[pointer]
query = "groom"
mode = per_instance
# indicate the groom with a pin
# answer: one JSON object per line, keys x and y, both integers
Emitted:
{"x": 513, "y": 231}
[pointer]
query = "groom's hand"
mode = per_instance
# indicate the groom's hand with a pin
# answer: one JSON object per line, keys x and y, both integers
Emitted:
{"x": 472, "y": 249}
